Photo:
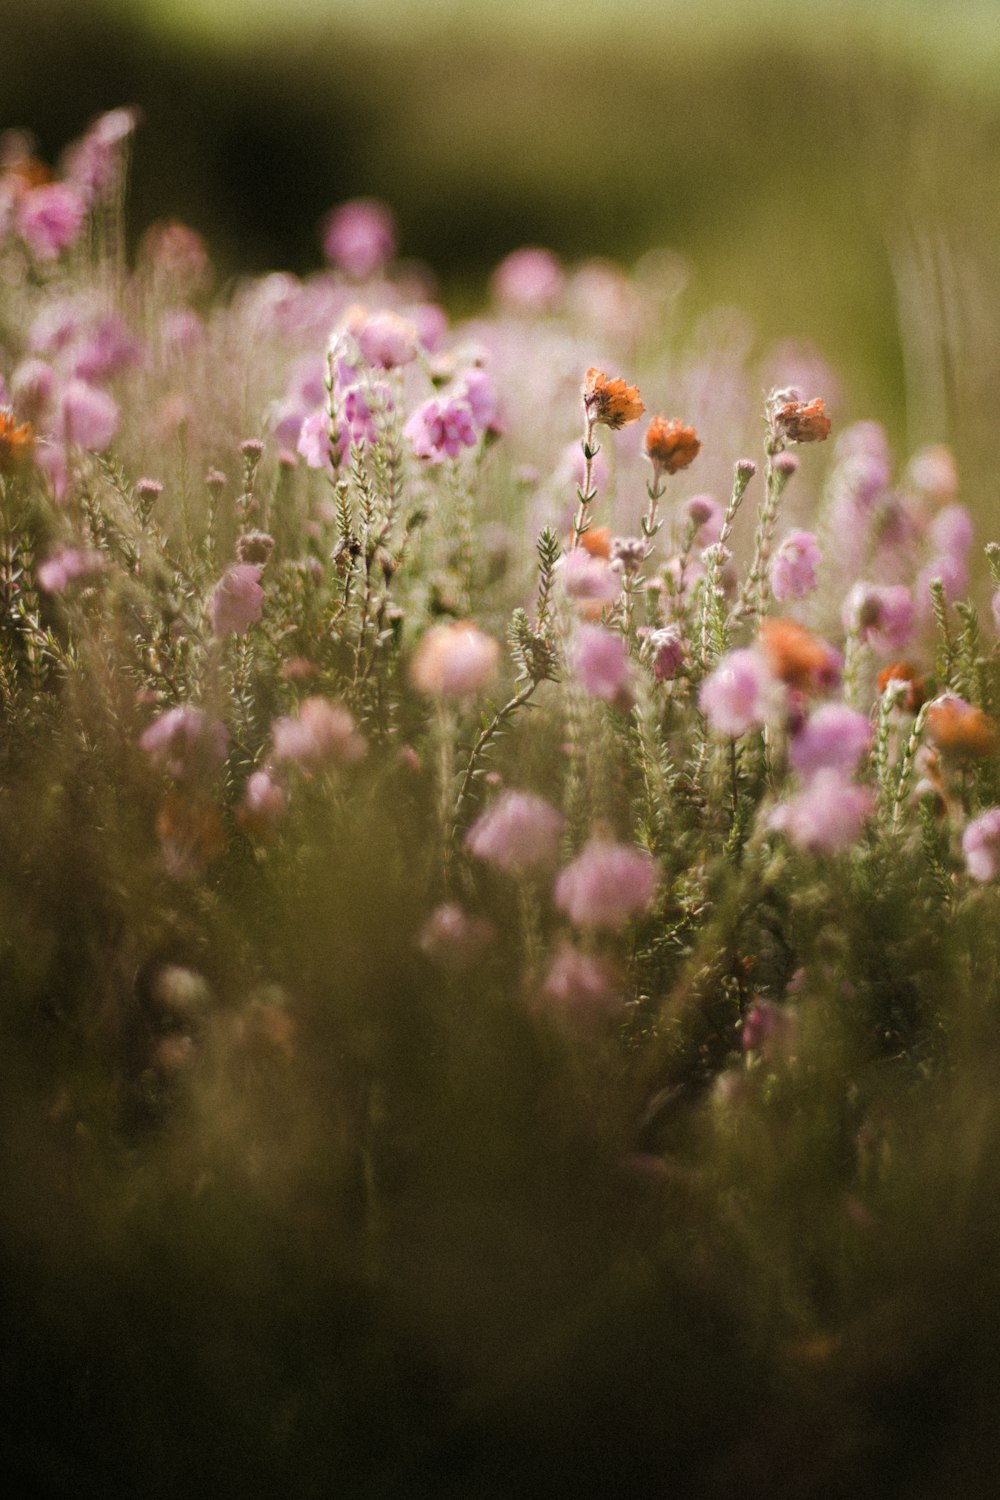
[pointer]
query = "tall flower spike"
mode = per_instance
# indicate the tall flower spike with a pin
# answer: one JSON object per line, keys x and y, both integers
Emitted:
{"x": 610, "y": 403}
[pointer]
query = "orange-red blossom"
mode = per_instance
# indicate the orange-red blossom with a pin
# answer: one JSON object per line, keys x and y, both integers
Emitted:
{"x": 802, "y": 421}
{"x": 670, "y": 446}
{"x": 611, "y": 402}
{"x": 17, "y": 443}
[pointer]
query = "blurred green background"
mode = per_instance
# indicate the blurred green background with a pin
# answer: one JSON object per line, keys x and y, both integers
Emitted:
{"x": 831, "y": 169}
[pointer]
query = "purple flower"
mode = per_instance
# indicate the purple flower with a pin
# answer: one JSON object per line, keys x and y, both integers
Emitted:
{"x": 362, "y": 405}
{"x": 92, "y": 164}
{"x": 606, "y": 885}
{"x": 238, "y": 601}
{"x": 739, "y": 694}
{"x": 586, "y": 577}
{"x": 321, "y": 733}
{"x": 386, "y": 340}
{"x": 599, "y": 659}
{"x": 50, "y": 218}
{"x": 793, "y": 571}
{"x": 440, "y": 428}
{"x": 827, "y": 815}
{"x": 951, "y": 532}
{"x": 835, "y": 737}
{"x": 885, "y": 615}
{"x": 665, "y": 649}
{"x": 933, "y": 472}
{"x": 583, "y": 986}
{"x": 186, "y": 743}
{"x": 519, "y": 832}
{"x": 314, "y": 444}
{"x": 529, "y": 280}
{"x": 265, "y": 802}
{"x": 108, "y": 349}
{"x": 478, "y": 390}
{"x": 68, "y": 565}
{"x": 360, "y": 237}
{"x": 981, "y": 845}
{"x": 86, "y": 417}
{"x": 705, "y": 512}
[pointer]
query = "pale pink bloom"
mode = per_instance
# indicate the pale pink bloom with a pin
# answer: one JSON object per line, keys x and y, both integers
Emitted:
{"x": 827, "y": 815}
{"x": 179, "y": 254}
{"x": 107, "y": 348}
{"x": 995, "y": 608}
{"x": 186, "y": 743}
{"x": 50, "y": 218}
{"x": 93, "y": 163}
{"x": 585, "y": 577}
{"x": 181, "y": 332}
{"x": 834, "y": 737}
{"x": 599, "y": 659}
{"x": 86, "y": 417}
{"x": 440, "y": 428}
{"x": 739, "y": 694}
{"x": 518, "y": 832}
{"x": 265, "y": 802}
{"x": 68, "y": 565}
{"x": 793, "y": 570}
{"x": 386, "y": 340}
{"x": 454, "y": 939}
{"x": 362, "y": 407}
{"x": 314, "y": 443}
{"x": 359, "y": 236}
{"x": 478, "y": 390}
{"x": 665, "y": 650}
{"x": 238, "y": 601}
{"x": 953, "y": 573}
{"x": 606, "y": 884}
{"x": 883, "y": 614}
{"x": 454, "y": 661}
{"x": 529, "y": 280}
{"x": 981, "y": 845}
{"x": 583, "y": 986}
{"x": 951, "y": 533}
{"x": 431, "y": 324}
{"x": 321, "y": 733}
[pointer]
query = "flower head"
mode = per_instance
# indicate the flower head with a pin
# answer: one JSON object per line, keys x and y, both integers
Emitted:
{"x": 441, "y": 428}
{"x": 798, "y": 421}
{"x": 738, "y": 694}
{"x": 835, "y": 736}
{"x": 186, "y": 742}
{"x": 959, "y": 729}
{"x": 599, "y": 659}
{"x": 670, "y": 446}
{"x": 981, "y": 845}
{"x": 518, "y": 832}
{"x": 17, "y": 443}
{"x": 238, "y": 600}
{"x": 583, "y": 987}
{"x": 793, "y": 569}
{"x": 610, "y": 402}
{"x": 359, "y": 236}
{"x": 827, "y": 815}
{"x": 797, "y": 657}
{"x": 321, "y": 733}
{"x": 606, "y": 884}
{"x": 454, "y": 661}
{"x": 529, "y": 280}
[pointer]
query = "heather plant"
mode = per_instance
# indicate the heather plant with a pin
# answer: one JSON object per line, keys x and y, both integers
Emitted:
{"x": 499, "y": 899}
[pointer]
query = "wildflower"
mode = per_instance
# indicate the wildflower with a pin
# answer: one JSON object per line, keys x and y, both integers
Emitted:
{"x": 94, "y": 162}
{"x": 835, "y": 736}
{"x": 793, "y": 569}
{"x": 796, "y": 421}
{"x": 529, "y": 280}
{"x": 440, "y": 428}
{"x": 321, "y": 733}
{"x": 670, "y": 446}
{"x": 86, "y": 417}
{"x": 254, "y": 547}
{"x": 959, "y": 729}
{"x": 362, "y": 405}
{"x": 628, "y": 553}
{"x": 316, "y": 444}
{"x": 179, "y": 255}
{"x": 454, "y": 939}
{"x": 827, "y": 815}
{"x": 665, "y": 650}
{"x": 611, "y": 403}
{"x": 933, "y": 472}
{"x": 360, "y": 237}
{"x": 454, "y": 661}
{"x": 599, "y": 659}
{"x": 238, "y": 601}
{"x": 583, "y": 986}
{"x": 68, "y": 565}
{"x": 981, "y": 845}
{"x": 518, "y": 832}
{"x": 901, "y": 672}
{"x": 265, "y": 802}
{"x": 585, "y": 577}
{"x": 606, "y": 884}
{"x": 17, "y": 443}
{"x": 50, "y": 218}
{"x": 797, "y": 657}
{"x": 186, "y": 743}
{"x": 478, "y": 390}
{"x": 739, "y": 694}
{"x": 706, "y": 515}
{"x": 386, "y": 340}
{"x": 883, "y": 614}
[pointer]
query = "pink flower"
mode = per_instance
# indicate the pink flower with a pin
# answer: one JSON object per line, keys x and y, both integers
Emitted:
{"x": 86, "y": 417}
{"x": 386, "y": 340}
{"x": 93, "y": 163}
{"x": 739, "y": 694}
{"x": 766, "y": 1027}
{"x": 107, "y": 349}
{"x": 50, "y": 218}
{"x": 606, "y": 885}
{"x": 519, "y": 832}
{"x": 321, "y": 733}
{"x": 705, "y": 512}
{"x": 186, "y": 743}
{"x": 834, "y": 737}
{"x": 529, "y": 280}
{"x": 238, "y": 601}
{"x": 362, "y": 406}
{"x": 68, "y": 565}
{"x": 933, "y": 472}
{"x": 981, "y": 845}
{"x": 599, "y": 659}
{"x": 360, "y": 237}
{"x": 265, "y": 802}
{"x": 583, "y": 986}
{"x": 454, "y": 939}
{"x": 885, "y": 615}
{"x": 314, "y": 444}
{"x": 440, "y": 428}
{"x": 951, "y": 532}
{"x": 586, "y": 577}
{"x": 827, "y": 815}
{"x": 665, "y": 650}
{"x": 454, "y": 661}
{"x": 793, "y": 570}
{"x": 478, "y": 390}
{"x": 431, "y": 324}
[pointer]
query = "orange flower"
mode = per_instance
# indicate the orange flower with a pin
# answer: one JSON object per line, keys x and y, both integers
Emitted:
{"x": 17, "y": 444}
{"x": 597, "y": 541}
{"x": 670, "y": 446}
{"x": 611, "y": 402}
{"x": 796, "y": 656}
{"x": 960, "y": 729}
{"x": 802, "y": 421}
{"x": 901, "y": 671}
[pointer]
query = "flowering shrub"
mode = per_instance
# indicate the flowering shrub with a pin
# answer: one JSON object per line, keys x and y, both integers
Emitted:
{"x": 552, "y": 900}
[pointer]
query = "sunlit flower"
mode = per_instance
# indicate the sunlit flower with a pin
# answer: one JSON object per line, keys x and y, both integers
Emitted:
{"x": 610, "y": 402}
{"x": 960, "y": 729}
{"x": 738, "y": 694}
{"x": 670, "y": 446}
{"x": 454, "y": 661}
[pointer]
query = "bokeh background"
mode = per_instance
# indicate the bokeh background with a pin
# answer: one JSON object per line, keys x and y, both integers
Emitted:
{"x": 833, "y": 170}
